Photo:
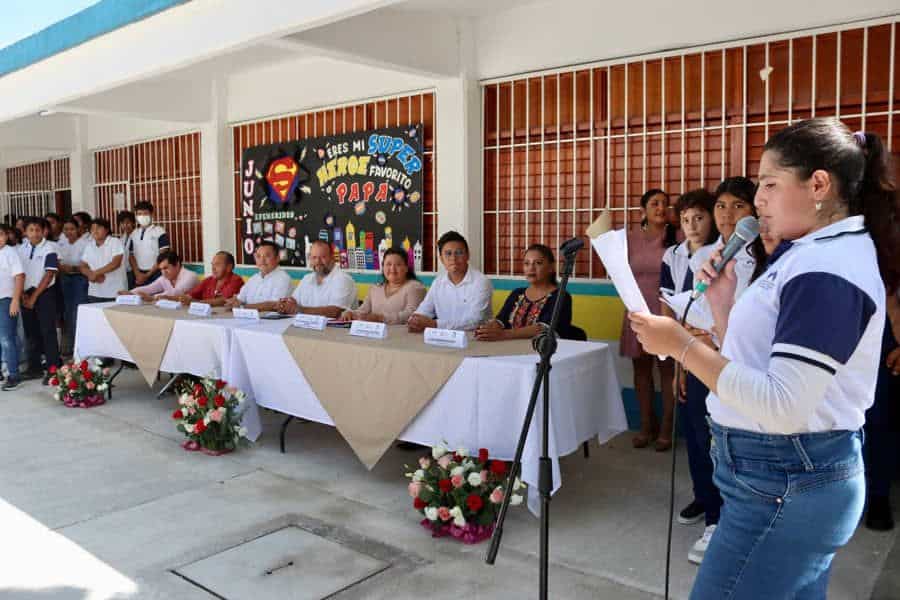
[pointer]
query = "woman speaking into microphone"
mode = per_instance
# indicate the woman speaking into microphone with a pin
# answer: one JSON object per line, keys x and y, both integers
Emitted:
{"x": 798, "y": 365}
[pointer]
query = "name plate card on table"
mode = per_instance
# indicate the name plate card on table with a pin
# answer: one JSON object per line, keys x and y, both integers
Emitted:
{"x": 168, "y": 304}
{"x": 314, "y": 322}
{"x": 129, "y": 300}
{"x": 200, "y": 309}
{"x": 449, "y": 338}
{"x": 246, "y": 313}
{"x": 377, "y": 331}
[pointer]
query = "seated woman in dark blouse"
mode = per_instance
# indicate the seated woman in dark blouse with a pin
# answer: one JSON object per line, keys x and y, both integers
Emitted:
{"x": 527, "y": 310}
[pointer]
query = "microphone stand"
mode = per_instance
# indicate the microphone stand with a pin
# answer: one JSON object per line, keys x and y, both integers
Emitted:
{"x": 545, "y": 344}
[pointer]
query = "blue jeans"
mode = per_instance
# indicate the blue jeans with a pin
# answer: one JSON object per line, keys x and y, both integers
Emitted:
{"x": 790, "y": 502}
{"x": 694, "y": 426}
{"x": 883, "y": 424}
{"x": 74, "y": 293}
{"x": 9, "y": 338}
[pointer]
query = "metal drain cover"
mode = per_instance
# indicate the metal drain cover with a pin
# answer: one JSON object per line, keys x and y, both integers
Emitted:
{"x": 289, "y": 563}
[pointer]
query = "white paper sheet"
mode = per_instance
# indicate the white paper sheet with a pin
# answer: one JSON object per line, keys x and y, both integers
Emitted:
{"x": 612, "y": 248}
{"x": 699, "y": 316}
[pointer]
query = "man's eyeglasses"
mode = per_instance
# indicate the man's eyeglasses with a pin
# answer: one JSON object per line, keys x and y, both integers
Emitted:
{"x": 452, "y": 253}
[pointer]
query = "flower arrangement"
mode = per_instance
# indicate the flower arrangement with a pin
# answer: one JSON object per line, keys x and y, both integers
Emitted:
{"x": 209, "y": 415}
{"x": 80, "y": 384}
{"x": 459, "y": 494}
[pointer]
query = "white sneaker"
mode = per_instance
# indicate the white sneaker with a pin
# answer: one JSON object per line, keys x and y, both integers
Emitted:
{"x": 699, "y": 549}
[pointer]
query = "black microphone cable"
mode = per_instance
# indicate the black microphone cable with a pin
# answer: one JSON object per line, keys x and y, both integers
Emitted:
{"x": 674, "y": 439}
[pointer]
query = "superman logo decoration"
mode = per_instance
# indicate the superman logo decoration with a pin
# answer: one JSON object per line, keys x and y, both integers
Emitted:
{"x": 283, "y": 177}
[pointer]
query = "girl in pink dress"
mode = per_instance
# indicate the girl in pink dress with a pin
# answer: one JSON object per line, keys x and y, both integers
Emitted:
{"x": 646, "y": 247}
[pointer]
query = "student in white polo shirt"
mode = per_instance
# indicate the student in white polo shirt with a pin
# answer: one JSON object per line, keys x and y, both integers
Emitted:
{"x": 327, "y": 291}
{"x": 71, "y": 283}
{"x": 147, "y": 242}
{"x": 125, "y": 221}
{"x": 734, "y": 201}
{"x": 103, "y": 263}
{"x": 798, "y": 366}
{"x": 264, "y": 290}
{"x": 40, "y": 261}
{"x": 460, "y": 298}
{"x": 12, "y": 285}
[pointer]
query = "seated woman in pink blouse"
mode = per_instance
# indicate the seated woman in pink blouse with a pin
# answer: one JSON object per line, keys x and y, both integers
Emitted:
{"x": 396, "y": 298}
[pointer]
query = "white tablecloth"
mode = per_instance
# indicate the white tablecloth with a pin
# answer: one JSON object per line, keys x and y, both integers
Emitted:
{"x": 482, "y": 405}
{"x": 200, "y": 347}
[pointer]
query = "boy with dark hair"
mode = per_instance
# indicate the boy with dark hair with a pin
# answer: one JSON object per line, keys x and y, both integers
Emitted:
{"x": 460, "y": 297}
{"x": 147, "y": 242}
{"x": 40, "y": 262}
{"x": 126, "y": 223}
{"x": 56, "y": 224}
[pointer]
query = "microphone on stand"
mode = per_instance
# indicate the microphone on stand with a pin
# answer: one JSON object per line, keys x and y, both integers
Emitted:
{"x": 746, "y": 230}
{"x": 571, "y": 246}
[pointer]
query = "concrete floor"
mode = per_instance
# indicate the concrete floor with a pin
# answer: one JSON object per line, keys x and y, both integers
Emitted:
{"x": 104, "y": 503}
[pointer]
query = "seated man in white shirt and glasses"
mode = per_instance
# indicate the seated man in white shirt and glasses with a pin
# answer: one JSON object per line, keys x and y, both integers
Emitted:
{"x": 264, "y": 290}
{"x": 459, "y": 298}
{"x": 327, "y": 291}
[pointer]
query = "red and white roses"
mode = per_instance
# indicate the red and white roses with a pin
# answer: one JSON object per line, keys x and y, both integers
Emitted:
{"x": 209, "y": 414}
{"x": 459, "y": 494}
{"x": 80, "y": 384}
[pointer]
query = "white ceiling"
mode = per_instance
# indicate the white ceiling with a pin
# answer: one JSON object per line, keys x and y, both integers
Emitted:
{"x": 461, "y": 8}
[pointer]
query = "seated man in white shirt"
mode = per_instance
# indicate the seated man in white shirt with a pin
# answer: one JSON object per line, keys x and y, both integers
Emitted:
{"x": 264, "y": 290}
{"x": 460, "y": 298}
{"x": 327, "y": 291}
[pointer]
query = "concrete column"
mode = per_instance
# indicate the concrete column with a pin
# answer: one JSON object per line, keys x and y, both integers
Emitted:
{"x": 215, "y": 175}
{"x": 81, "y": 167}
{"x": 458, "y": 125}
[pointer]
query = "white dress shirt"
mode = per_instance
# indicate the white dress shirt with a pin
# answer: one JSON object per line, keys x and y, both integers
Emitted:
{"x": 337, "y": 289}
{"x": 96, "y": 257}
{"x": 463, "y": 305}
{"x": 10, "y": 267}
{"x": 70, "y": 252}
{"x": 269, "y": 288}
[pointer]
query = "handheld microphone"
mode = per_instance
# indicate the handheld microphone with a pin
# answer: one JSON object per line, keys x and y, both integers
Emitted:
{"x": 571, "y": 246}
{"x": 746, "y": 230}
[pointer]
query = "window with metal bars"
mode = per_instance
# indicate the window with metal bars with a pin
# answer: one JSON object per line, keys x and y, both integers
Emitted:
{"x": 47, "y": 175}
{"x": 561, "y": 146}
{"x": 164, "y": 172}
{"x": 31, "y": 188}
{"x": 382, "y": 112}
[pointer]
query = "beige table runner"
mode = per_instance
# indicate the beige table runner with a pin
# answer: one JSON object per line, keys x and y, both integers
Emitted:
{"x": 372, "y": 389}
{"x": 145, "y": 332}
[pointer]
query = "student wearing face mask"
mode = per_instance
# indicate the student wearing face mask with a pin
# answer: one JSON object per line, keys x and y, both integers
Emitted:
{"x": 146, "y": 243}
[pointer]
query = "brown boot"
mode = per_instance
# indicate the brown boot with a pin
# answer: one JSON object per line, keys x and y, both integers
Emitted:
{"x": 664, "y": 441}
{"x": 649, "y": 427}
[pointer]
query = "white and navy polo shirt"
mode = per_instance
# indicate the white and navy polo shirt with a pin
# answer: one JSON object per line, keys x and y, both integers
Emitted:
{"x": 37, "y": 260}
{"x": 146, "y": 244}
{"x": 677, "y": 274}
{"x": 805, "y": 338}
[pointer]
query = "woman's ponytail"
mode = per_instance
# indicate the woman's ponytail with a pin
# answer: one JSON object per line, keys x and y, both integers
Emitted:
{"x": 878, "y": 202}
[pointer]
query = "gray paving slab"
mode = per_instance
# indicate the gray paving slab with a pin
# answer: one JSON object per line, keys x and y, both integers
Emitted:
{"x": 108, "y": 503}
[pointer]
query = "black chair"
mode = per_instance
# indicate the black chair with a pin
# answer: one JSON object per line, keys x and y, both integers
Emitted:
{"x": 577, "y": 334}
